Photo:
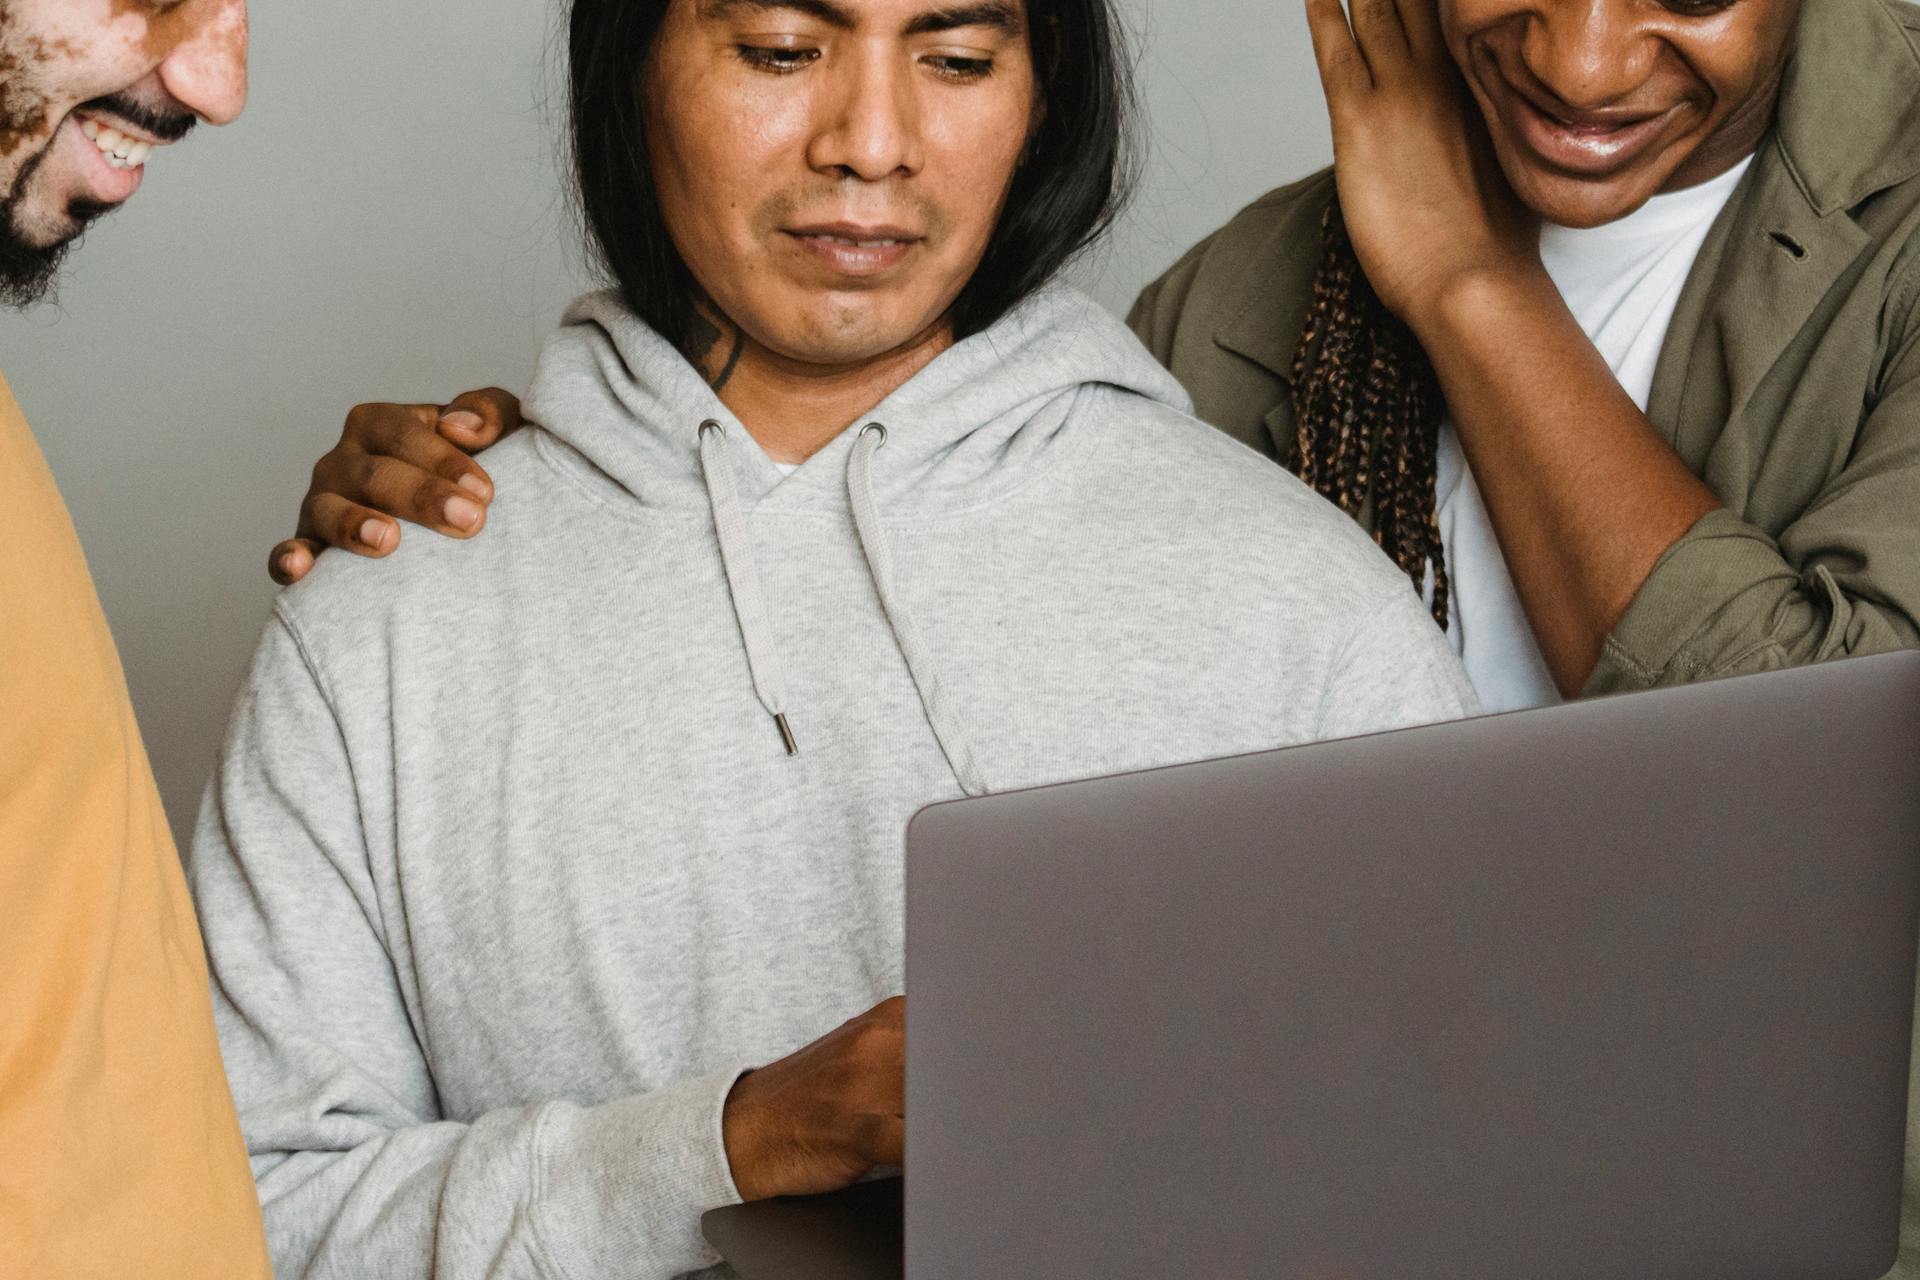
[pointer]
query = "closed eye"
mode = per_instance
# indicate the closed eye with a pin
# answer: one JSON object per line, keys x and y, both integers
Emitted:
{"x": 777, "y": 59}
{"x": 961, "y": 68}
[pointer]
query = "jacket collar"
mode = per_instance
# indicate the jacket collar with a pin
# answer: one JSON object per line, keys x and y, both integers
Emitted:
{"x": 1267, "y": 325}
{"x": 1849, "y": 116}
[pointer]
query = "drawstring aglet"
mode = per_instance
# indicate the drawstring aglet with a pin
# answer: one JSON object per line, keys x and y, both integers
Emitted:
{"x": 786, "y": 735}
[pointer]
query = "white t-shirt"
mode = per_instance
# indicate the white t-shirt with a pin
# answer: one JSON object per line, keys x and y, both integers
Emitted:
{"x": 1622, "y": 282}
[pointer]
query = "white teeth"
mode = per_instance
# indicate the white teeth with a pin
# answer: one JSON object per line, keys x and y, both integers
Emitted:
{"x": 119, "y": 150}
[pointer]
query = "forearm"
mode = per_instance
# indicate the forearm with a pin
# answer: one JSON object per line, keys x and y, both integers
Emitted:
{"x": 544, "y": 1189}
{"x": 1584, "y": 494}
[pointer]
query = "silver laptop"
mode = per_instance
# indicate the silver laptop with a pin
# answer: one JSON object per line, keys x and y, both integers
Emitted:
{"x": 1622, "y": 990}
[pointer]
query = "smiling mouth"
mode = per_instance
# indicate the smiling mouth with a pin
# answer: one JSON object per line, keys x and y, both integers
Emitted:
{"x": 127, "y": 131}
{"x": 1585, "y": 144}
{"x": 119, "y": 145}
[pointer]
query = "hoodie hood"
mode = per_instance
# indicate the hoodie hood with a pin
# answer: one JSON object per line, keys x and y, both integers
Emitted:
{"x": 973, "y": 424}
{"x": 960, "y": 432}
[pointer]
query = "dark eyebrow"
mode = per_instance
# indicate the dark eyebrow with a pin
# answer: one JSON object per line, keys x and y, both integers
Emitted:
{"x": 831, "y": 14}
{"x": 990, "y": 13}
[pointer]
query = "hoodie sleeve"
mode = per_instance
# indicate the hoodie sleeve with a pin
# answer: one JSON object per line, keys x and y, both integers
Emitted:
{"x": 1395, "y": 672}
{"x": 359, "y": 1171}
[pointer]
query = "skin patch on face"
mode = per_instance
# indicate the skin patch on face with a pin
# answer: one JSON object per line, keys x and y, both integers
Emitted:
{"x": 25, "y": 109}
{"x": 167, "y": 22}
{"x": 39, "y": 54}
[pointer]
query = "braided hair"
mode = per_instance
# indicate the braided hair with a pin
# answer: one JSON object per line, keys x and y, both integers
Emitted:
{"x": 1369, "y": 409}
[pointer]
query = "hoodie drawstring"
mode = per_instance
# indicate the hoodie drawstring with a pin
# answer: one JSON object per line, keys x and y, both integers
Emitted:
{"x": 948, "y": 729}
{"x": 750, "y": 605}
{"x": 743, "y": 580}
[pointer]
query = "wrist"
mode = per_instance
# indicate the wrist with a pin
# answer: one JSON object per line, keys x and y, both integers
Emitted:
{"x": 742, "y": 1134}
{"x": 1479, "y": 298}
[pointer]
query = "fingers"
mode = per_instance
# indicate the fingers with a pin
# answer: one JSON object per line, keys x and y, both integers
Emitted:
{"x": 433, "y": 453}
{"x": 292, "y": 560}
{"x": 477, "y": 420}
{"x": 399, "y": 462}
{"x": 1421, "y": 20}
{"x": 1378, "y": 29}
{"x": 1343, "y": 70}
{"x": 415, "y": 434}
{"x": 331, "y": 520}
{"x": 413, "y": 488}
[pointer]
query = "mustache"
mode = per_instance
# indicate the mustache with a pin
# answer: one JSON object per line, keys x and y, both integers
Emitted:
{"x": 168, "y": 126}
{"x": 790, "y": 208}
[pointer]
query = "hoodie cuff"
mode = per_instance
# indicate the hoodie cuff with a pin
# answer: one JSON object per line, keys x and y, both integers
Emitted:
{"x": 621, "y": 1187}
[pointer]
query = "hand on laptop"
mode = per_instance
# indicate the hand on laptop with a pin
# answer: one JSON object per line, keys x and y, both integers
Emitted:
{"x": 398, "y": 460}
{"x": 821, "y": 1119}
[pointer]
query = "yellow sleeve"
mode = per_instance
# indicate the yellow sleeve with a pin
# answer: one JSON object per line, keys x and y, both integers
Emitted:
{"x": 121, "y": 1153}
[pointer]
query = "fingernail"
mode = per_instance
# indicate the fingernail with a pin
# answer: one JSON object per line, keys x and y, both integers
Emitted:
{"x": 462, "y": 513}
{"x": 374, "y": 534}
{"x": 285, "y": 565}
{"x": 463, "y": 419}
{"x": 474, "y": 485}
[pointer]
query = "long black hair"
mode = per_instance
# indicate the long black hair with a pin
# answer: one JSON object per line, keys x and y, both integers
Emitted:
{"x": 1072, "y": 182}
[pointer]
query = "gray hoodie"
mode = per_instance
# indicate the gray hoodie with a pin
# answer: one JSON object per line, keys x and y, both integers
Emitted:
{"x": 507, "y": 872}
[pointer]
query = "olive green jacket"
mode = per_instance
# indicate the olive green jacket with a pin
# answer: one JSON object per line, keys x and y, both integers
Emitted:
{"x": 1790, "y": 379}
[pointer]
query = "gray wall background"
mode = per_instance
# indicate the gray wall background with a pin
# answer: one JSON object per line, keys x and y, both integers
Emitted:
{"x": 385, "y": 223}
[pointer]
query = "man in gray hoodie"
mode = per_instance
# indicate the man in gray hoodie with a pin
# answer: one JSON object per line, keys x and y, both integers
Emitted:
{"x": 833, "y": 509}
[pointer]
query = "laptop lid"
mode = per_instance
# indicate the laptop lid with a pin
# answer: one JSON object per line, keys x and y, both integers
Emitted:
{"x": 1618, "y": 989}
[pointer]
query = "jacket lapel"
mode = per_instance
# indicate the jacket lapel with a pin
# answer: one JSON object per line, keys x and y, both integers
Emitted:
{"x": 1848, "y": 125}
{"x": 1266, "y": 328}
{"x": 1779, "y": 259}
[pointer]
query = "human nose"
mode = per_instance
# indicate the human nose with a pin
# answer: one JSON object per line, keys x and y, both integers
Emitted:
{"x": 871, "y": 130}
{"x": 1588, "y": 53}
{"x": 207, "y": 71}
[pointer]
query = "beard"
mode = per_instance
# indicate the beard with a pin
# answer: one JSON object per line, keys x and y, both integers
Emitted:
{"x": 28, "y": 270}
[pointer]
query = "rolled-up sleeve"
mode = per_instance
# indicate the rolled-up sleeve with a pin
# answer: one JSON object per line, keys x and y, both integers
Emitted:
{"x": 1842, "y": 580}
